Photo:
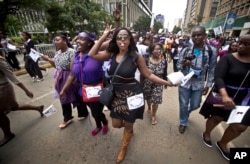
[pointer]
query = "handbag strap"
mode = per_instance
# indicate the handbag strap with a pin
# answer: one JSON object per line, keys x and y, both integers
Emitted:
{"x": 124, "y": 57}
{"x": 241, "y": 83}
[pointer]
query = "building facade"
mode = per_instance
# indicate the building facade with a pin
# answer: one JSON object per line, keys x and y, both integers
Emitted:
{"x": 131, "y": 10}
{"x": 213, "y": 13}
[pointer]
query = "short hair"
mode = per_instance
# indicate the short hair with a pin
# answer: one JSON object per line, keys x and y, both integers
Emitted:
{"x": 200, "y": 27}
{"x": 27, "y": 34}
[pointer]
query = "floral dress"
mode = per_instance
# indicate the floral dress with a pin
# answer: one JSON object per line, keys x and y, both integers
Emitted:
{"x": 153, "y": 91}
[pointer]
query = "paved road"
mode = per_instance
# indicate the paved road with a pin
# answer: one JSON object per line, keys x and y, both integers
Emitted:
{"x": 39, "y": 140}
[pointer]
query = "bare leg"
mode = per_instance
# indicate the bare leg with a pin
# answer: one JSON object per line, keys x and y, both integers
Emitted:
{"x": 30, "y": 107}
{"x": 211, "y": 123}
{"x": 153, "y": 118}
{"x": 5, "y": 126}
{"x": 149, "y": 107}
{"x": 117, "y": 123}
{"x": 232, "y": 131}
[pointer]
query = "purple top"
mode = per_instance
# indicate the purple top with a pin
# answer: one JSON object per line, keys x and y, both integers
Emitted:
{"x": 92, "y": 71}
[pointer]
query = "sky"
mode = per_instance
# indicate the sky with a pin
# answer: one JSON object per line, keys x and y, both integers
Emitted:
{"x": 171, "y": 9}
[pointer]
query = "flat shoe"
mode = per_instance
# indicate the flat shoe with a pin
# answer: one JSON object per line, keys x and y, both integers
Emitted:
{"x": 208, "y": 143}
{"x": 81, "y": 118}
{"x": 96, "y": 131}
{"x": 6, "y": 141}
{"x": 65, "y": 124}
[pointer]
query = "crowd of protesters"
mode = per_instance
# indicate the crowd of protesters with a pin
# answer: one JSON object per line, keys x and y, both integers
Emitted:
{"x": 148, "y": 55}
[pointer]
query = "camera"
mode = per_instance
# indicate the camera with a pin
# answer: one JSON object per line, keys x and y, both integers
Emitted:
{"x": 189, "y": 56}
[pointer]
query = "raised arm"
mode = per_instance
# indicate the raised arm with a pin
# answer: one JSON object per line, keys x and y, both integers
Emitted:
{"x": 101, "y": 55}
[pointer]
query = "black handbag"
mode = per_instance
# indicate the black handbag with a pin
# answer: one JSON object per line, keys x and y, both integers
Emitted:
{"x": 107, "y": 93}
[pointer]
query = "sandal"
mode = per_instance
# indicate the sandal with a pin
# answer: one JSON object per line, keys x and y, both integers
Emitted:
{"x": 65, "y": 124}
{"x": 153, "y": 120}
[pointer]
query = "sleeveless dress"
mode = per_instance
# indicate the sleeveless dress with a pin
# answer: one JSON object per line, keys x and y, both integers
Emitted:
{"x": 125, "y": 85}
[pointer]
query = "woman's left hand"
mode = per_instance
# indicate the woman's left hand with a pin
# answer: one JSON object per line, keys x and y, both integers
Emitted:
{"x": 228, "y": 102}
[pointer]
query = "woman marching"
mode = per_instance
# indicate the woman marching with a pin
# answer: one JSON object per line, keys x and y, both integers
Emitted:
{"x": 232, "y": 80}
{"x": 153, "y": 91}
{"x": 87, "y": 71}
{"x": 61, "y": 62}
{"x": 124, "y": 110}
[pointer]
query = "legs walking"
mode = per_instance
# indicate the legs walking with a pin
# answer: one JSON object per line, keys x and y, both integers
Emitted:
{"x": 30, "y": 107}
{"x": 153, "y": 118}
{"x": 5, "y": 126}
{"x": 100, "y": 118}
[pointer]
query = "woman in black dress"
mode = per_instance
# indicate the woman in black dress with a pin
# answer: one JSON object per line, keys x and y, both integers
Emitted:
{"x": 230, "y": 72}
{"x": 128, "y": 103}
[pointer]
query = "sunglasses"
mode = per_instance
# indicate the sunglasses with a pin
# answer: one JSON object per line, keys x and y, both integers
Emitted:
{"x": 244, "y": 43}
{"x": 122, "y": 37}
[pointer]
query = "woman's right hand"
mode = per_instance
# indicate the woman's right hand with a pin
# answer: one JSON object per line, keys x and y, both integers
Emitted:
{"x": 62, "y": 94}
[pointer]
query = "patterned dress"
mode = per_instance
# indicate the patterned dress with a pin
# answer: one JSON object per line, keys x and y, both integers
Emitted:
{"x": 125, "y": 85}
{"x": 153, "y": 91}
{"x": 62, "y": 63}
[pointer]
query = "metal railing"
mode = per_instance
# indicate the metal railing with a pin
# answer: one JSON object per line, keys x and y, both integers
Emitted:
{"x": 46, "y": 49}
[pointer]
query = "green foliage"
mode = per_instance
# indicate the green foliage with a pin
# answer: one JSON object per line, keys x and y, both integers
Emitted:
{"x": 176, "y": 29}
{"x": 76, "y": 16}
{"x": 143, "y": 25}
{"x": 11, "y": 8}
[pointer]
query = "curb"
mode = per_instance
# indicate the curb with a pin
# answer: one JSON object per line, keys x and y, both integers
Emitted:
{"x": 23, "y": 71}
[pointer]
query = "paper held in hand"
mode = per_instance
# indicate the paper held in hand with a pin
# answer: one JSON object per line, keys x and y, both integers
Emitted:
{"x": 49, "y": 111}
{"x": 34, "y": 54}
{"x": 179, "y": 78}
{"x": 237, "y": 114}
{"x": 11, "y": 46}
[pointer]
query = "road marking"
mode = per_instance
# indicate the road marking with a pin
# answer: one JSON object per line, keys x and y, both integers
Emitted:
{"x": 38, "y": 98}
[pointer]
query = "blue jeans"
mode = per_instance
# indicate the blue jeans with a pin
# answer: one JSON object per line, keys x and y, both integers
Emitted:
{"x": 189, "y": 100}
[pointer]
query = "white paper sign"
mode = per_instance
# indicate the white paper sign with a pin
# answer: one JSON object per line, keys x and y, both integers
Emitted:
{"x": 34, "y": 54}
{"x": 92, "y": 91}
{"x": 49, "y": 111}
{"x": 186, "y": 78}
{"x": 237, "y": 114}
{"x": 10, "y": 46}
{"x": 175, "y": 77}
{"x": 135, "y": 101}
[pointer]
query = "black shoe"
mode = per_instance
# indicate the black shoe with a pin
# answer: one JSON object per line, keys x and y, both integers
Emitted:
{"x": 208, "y": 143}
{"x": 182, "y": 129}
{"x": 224, "y": 154}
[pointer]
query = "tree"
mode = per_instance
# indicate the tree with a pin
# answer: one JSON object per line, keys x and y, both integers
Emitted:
{"x": 176, "y": 29}
{"x": 143, "y": 24}
{"x": 11, "y": 7}
{"x": 76, "y": 15}
{"x": 198, "y": 19}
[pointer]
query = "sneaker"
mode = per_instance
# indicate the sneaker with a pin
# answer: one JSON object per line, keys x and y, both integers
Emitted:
{"x": 224, "y": 154}
{"x": 182, "y": 129}
{"x": 39, "y": 79}
{"x": 208, "y": 143}
{"x": 34, "y": 79}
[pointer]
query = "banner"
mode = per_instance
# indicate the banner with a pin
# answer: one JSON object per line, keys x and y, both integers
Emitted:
{"x": 229, "y": 21}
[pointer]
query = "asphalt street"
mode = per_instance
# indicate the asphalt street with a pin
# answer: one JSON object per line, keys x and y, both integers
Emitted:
{"x": 39, "y": 140}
